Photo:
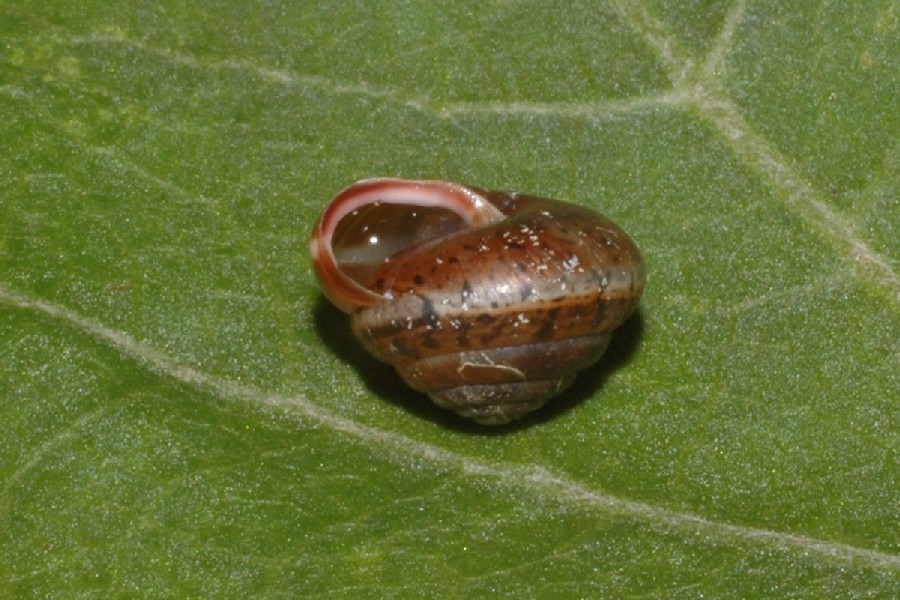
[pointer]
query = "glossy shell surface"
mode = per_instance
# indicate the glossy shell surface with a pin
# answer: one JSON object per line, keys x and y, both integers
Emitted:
{"x": 491, "y": 302}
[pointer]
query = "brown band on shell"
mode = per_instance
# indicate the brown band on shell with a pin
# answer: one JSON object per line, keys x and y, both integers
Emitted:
{"x": 489, "y": 301}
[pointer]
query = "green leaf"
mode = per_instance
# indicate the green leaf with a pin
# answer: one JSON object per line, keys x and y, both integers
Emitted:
{"x": 186, "y": 416}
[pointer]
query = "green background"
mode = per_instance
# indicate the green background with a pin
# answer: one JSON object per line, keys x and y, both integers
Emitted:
{"x": 185, "y": 416}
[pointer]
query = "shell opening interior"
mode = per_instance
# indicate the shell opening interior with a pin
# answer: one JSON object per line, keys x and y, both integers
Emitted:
{"x": 369, "y": 235}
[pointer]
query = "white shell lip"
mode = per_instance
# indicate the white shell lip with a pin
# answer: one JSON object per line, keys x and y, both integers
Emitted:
{"x": 341, "y": 290}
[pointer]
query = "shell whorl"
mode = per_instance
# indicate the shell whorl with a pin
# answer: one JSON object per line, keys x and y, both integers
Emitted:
{"x": 494, "y": 319}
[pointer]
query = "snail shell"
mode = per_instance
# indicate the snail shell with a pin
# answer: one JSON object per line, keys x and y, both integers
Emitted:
{"x": 491, "y": 302}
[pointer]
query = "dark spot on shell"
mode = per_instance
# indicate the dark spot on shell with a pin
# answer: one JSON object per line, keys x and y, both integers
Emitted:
{"x": 429, "y": 315}
{"x": 526, "y": 290}
{"x": 462, "y": 335}
{"x": 418, "y": 280}
{"x": 485, "y": 319}
{"x": 548, "y": 327}
{"x": 466, "y": 291}
{"x": 489, "y": 337}
{"x": 580, "y": 310}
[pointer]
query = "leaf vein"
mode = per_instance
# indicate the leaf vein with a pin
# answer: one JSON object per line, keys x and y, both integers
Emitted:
{"x": 532, "y": 478}
{"x": 760, "y": 153}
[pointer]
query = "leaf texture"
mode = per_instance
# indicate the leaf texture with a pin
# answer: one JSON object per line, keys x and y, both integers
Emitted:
{"x": 187, "y": 416}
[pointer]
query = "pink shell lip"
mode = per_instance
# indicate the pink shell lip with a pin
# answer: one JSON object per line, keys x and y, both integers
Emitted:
{"x": 341, "y": 290}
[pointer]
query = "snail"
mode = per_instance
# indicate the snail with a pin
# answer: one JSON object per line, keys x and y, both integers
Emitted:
{"x": 491, "y": 302}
